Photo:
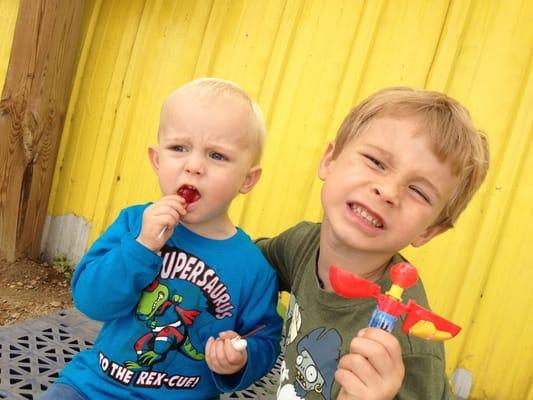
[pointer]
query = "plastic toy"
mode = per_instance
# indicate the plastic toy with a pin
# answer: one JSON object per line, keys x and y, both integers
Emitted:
{"x": 419, "y": 321}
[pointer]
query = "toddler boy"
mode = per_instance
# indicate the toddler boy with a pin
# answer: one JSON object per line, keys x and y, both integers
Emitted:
{"x": 168, "y": 277}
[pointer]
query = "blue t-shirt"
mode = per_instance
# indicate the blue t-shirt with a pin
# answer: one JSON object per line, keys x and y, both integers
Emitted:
{"x": 159, "y": 310}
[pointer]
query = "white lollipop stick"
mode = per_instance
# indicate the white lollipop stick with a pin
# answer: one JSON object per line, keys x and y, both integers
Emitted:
{"x": 162, "y": 232}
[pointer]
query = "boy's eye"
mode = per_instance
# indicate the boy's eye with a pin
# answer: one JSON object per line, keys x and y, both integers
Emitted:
{"x": 179, "y": 148}
{"x": 420, "y": 193}
{"x": 375, "y": 161}
{"x": 217, "y": 156}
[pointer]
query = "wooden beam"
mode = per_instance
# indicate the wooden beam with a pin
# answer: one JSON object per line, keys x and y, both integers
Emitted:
{"x": 32, "y": 111}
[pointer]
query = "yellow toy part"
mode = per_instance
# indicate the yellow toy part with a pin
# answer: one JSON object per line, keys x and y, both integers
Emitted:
{"x": 427, "y": 330}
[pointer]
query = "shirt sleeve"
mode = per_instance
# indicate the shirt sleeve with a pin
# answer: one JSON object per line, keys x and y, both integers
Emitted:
{"x": 283, "y": 251}
{"x": 263, "y": 347}
{"x": 107, "y": 281}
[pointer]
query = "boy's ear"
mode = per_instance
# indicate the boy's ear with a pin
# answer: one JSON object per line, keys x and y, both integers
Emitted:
{"x": 252, "y": 177}
{"x": 326, "y": 160}
{"x": 429, "y": 234}
{"x": 153, "y": 155}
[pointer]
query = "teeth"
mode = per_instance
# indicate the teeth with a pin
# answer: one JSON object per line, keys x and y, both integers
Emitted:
{"x": 159, "y": 297}
{"x": 366, "y": 215}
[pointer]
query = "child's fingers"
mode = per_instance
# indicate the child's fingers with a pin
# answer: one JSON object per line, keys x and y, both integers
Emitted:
{"x": 179, "y": 205}
{"x": 373, "y": 368}
{"x": 172, "y": 202}
{"x": 227, "y": 334}
{"x": 158, "y": 227}
{"x": 164, "y": 214}
{"x": 173, "y": 197}
{"x": 215, "y": 356}
{"x": 360, "y": 368}
{"x": 234, "y": 357}
{"x": 224, "y": 358}
{"x": 351, "y": 386}
{"x": 164, "y": 211}
{"x": 224, "y": 352}
{"x": 221, "y": 356}
{"x": 221, "y": 352}
{"x": 207, "y": 351}
{"x": 381, "y": 349}
{"x": 356, "y": 375}
{"x": 372, "y": 352}
{"x": 211, "y": 356}
{"x": 359, "y": 380}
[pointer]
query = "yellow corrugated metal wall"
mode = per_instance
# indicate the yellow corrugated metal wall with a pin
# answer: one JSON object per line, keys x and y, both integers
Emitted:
{"x": 307, "y": 63}
{"x": 8, "y": 18}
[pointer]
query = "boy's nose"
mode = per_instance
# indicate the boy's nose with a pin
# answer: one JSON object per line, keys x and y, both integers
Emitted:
{"x": 388, "y": 193}
{"x": 194, "y": 166}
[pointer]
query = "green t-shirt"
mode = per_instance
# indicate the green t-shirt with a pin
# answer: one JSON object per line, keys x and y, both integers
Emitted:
{"x": 320, "y": 325}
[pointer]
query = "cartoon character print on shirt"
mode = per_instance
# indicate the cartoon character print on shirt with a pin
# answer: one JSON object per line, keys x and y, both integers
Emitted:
{"x": 316, "y": 362}
{"x": 185, "y": 267}
{"x": 176, "y": 314}
{"x": 286, "y": 391}
{"x": 293, "y": 321}
{"x": 167, "y": 322}
{"x": 315, "y": 366}
{"x": 317, "y": 357}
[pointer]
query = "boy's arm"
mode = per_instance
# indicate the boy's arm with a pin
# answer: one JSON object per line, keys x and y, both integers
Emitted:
{"x": 263, "y": 347}
{"x": 272, "y": 249}
{"x": 109, "y": 279}
{"x": 284, "y": 250}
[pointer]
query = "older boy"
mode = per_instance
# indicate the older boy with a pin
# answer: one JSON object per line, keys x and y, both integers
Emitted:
{"x": 167, "y": 277}
{"x": 403, "y": 166}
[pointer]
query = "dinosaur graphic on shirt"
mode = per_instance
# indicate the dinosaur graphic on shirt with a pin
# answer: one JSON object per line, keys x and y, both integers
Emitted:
{"x": 167, "y": 323}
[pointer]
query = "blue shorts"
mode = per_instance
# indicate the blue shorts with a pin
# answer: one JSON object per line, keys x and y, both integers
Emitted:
{"x": 60, "y": 391}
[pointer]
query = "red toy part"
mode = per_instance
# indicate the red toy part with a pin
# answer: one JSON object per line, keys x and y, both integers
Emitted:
{"x": 425, "y": 324}
{"x": 419, "y": 321}
{"x": 390, "y": 305}
{"x": 403, "y": 274}
{"x": 351, "y": 286}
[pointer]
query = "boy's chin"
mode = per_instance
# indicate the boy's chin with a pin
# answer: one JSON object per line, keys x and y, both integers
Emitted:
{"x": 197, "y": 217}
{"x": 189, "y": 219}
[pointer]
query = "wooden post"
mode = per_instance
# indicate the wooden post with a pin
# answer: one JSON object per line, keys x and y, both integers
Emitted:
{"x": 32, "y": 111}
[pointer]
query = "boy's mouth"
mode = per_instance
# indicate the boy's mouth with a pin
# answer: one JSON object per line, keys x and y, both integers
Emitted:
{"x": 367, "y": 215}
{"x": 189, "y": 193}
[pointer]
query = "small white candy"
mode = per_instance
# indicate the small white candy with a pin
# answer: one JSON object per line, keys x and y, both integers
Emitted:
{"x": 238, "y": 343}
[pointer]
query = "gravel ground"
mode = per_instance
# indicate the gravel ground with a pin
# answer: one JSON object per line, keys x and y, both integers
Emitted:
{"x": 29, "y": 290}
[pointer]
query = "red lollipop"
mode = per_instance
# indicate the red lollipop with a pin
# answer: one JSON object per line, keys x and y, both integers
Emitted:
{"x": 189, "y": 193}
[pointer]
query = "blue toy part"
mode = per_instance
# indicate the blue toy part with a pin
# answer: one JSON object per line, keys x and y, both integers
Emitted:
{"x": 382, "y": 320}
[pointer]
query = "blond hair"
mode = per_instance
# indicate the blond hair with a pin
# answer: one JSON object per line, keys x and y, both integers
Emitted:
{"x": 224, "y": 89}
{"x": 448, "y": 123}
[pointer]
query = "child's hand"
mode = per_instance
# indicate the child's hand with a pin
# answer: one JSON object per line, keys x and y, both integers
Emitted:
{"x": 167, "y": 212}
{"x": 222, "y": 358}
{"x": 373, "y": 369}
